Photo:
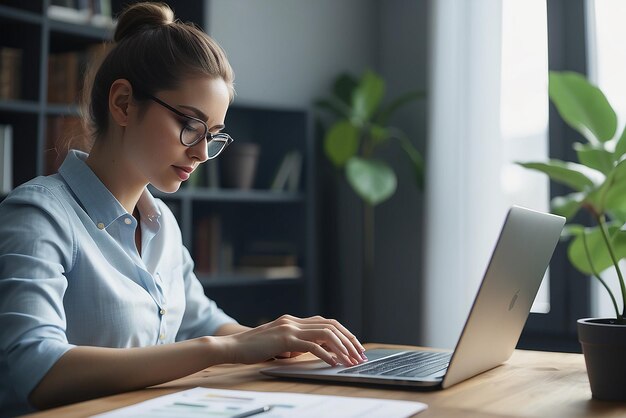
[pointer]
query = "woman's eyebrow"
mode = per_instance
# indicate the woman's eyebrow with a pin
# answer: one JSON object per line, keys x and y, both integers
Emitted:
{"x": 197, "y": 111}
{"x": 202, "y": 116}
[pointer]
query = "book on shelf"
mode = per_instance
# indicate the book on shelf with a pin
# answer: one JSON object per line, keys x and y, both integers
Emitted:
{"x": 82, "y": 12}
{"x": 288, "y": 174}
{"x": 67, "y": 70}
{"x": 63, "y": 80}
{"x": 269, "y": 260}
{"x": 293, "y": 180}
{"x": 208, "y": 244}
{"x": 6, "y": 158}
{"x": 10, "y": 73}
{"x": 270, "y": 272}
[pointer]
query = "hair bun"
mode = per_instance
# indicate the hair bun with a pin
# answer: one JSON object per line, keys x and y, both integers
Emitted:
{"x": 142, "y": 16}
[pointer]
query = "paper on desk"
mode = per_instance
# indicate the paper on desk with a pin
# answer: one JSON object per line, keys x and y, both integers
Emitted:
{"x": 203, "y": 402}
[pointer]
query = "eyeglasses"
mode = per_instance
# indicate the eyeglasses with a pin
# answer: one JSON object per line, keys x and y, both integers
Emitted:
{"x": 196, "y": 130}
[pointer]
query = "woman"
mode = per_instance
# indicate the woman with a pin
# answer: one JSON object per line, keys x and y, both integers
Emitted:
{"x": 97, "y": 292}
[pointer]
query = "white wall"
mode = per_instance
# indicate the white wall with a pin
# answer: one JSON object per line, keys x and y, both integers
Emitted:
{"x": 287, "y": 52}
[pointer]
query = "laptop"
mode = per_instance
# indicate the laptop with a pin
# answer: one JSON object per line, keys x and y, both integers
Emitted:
{"x": 491, "y": 332}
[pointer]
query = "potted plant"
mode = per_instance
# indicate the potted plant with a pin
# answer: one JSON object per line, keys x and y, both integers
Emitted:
{"x": 598, "y": 183}
{"x": 359, "y": 129}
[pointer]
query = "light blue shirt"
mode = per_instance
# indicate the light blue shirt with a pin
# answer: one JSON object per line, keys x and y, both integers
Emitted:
{"x": 70, "y": 274}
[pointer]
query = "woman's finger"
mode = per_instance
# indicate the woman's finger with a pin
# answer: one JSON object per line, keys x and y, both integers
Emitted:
{"x": 351, "y": 350}
{"x": 353, "y": 339}
{"x": 329, "y": 340}
{"x": 349, "y": 340}
{"x": 315, "y": 349}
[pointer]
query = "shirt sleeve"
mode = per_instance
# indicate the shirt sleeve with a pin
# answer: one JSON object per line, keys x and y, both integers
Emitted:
{"x": 36, "y": 245}
{"x": 202, "y": 315}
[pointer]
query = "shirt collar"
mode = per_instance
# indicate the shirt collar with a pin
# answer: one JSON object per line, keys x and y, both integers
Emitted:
{"x": 99, "y": 203}
{"x": 147, "y": 207}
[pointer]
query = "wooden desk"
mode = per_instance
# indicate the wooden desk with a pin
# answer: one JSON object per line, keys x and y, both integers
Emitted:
{"x": 530, "y": 384}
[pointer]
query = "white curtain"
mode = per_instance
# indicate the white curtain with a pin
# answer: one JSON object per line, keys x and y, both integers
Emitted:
{"x": 480, "y": 122}
{"x": 607, "y": 63}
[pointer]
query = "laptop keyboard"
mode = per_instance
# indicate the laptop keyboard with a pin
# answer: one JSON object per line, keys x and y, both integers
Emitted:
{"x": 409, "y": 364}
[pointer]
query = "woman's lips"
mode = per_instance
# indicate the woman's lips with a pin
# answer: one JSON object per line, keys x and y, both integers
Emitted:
{"x": 183, "y": 172}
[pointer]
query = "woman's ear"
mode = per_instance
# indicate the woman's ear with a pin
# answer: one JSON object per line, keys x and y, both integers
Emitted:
{"x": 120, "y": 97}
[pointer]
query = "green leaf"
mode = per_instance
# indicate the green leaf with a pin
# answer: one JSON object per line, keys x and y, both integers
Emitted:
{"x": 609, "y": 196}
{"x": 567, "y": 206}
{"x": 341, "y": 142}
{"x": 615, "y": 196}
{"x": 344, "y": 87}
{"x": 600, "y": 256}
{"x": 620, "y": 147}
{"x": 390, "y": 109}
{"x": 374, "y": 181}
{"x": 333, "y": 106}
{"x": 582, "y": 106}
{"x": 571, "y": 174}
{"x": 366, "y": 97}
{"x": 595, "y": 157}
{"x": 617, "y": 215}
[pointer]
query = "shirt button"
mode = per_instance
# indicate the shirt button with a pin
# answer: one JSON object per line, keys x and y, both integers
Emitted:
{"x": 127, "y": 221}
{"x": 162, "y": 337}
{"x": 100, "y": 225}
{"x": 162, "y": 311}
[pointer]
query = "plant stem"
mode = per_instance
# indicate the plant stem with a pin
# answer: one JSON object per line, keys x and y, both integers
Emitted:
{"x": 602, "y": 222}
{"x": 367, "y": 290}
{"x": 367, "y": 285}
{"x": 597, "y": 275}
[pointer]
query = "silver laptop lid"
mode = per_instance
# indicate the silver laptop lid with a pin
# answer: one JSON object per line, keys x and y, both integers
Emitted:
{"x": 510, "y": 284}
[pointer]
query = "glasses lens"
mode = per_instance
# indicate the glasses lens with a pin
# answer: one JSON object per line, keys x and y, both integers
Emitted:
{"x": 216, "y": 145}
{"x": 193, "y": 131}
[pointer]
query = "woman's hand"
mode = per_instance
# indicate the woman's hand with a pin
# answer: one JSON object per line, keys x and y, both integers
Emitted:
{"x": 289, "y": 336}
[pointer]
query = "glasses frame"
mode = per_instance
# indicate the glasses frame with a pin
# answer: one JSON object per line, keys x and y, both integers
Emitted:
{"x": 222, "y": 137}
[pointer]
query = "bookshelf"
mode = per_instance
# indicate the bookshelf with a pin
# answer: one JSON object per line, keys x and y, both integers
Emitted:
{"x": 228, "y": 231}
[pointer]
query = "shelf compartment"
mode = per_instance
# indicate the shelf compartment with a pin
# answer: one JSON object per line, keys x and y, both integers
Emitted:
{"x": 277, "y": 132}
{"x": 24, "y": 144}
{"x": 234, "y": 280}
{"x": 62, "y": 109}
{"x": 76, "y": 34}
{"x": 253, "y": 240}
{"x": 19, "y": 106}
{"x": 19, "y": 75}
{"x": 19, "y": 14}
{"x": 231, "y": 195}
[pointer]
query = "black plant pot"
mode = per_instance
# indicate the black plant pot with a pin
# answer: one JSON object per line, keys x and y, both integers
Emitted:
{"x": 604, "y": 346}
{"x": 238, "y": 165}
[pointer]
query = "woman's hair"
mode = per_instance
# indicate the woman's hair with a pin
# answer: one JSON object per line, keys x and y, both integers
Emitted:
{"x": 153, "y": 51}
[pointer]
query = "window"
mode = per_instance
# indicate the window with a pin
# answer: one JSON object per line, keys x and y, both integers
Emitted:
{"x": 488, "y": 108}
{"x": 524, "y": 110}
